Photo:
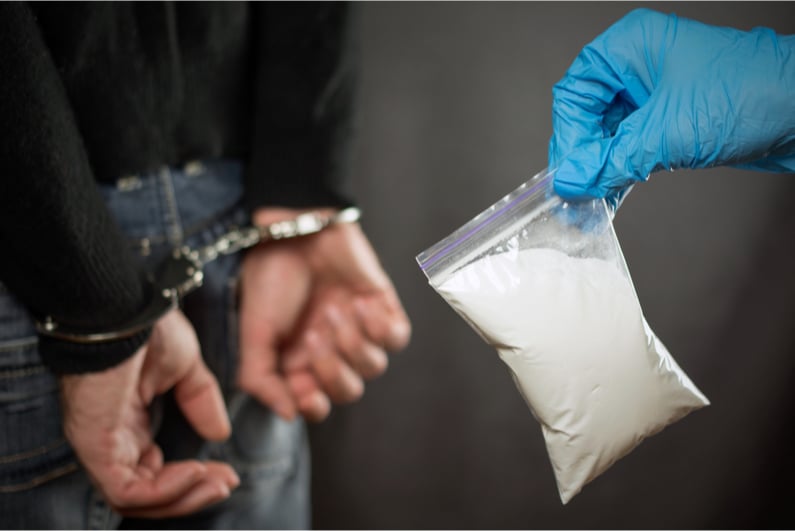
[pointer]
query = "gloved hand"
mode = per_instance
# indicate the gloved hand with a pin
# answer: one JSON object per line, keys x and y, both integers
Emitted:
{"x": 660, "y": 92}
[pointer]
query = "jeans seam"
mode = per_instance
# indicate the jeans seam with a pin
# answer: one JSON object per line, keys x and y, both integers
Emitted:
{"x": 17, "y": 344}
{"x": 232, "y": 325}
{"x": 22, "y": 373}
{"x": 265, "y": 469}
{"x": 58, "y": 472}
{"x": 171, "y": 211}
{"x": 15, "y": 458}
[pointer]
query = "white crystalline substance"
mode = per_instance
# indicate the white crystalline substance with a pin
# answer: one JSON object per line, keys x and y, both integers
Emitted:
{"x": 572, "y": 331}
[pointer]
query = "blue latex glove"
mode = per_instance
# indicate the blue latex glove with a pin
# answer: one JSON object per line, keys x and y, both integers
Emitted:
{"x": 660, "y": 92}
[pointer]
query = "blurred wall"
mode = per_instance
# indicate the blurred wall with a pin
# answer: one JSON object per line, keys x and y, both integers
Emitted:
{"x": 455, "y": 112}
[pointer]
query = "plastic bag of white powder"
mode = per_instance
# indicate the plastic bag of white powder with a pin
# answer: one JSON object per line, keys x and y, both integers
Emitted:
{"x": 544, "y": 281}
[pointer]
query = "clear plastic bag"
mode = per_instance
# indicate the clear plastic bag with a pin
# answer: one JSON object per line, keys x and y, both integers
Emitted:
{"x": 544, "y": 282}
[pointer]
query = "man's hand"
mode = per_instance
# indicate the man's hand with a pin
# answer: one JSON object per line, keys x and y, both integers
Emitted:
{"x": 107, "y": 423}
{"x": 318, "y": 314}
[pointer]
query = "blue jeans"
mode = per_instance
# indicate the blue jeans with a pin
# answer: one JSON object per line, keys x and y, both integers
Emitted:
{"x": 41, "y": 483}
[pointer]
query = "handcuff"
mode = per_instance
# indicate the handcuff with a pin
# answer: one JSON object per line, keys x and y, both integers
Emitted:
{"x": 182, "y": 272}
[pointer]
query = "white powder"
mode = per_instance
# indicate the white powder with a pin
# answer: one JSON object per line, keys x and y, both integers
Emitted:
{"x": 572, "y": 331}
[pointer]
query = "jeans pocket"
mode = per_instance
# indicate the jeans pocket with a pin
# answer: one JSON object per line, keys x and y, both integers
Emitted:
{"x": 33, "y": 449}
{"x": 263, "y": 446}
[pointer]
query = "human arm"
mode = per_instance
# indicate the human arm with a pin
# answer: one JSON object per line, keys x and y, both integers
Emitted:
{"x": 303, "y": 96}
{"x": 106, "y": 419}
{"x": 64, "y": 257}
{"x": 660, "y": 92}
{"x": 303, "y": 112}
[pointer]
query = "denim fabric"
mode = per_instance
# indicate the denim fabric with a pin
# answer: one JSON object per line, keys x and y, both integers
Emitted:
{"x": 42, "y": 485}
{"x": 39, "y": 476}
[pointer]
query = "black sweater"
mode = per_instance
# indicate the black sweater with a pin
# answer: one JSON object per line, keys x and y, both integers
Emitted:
{"x": 92, "y": 92}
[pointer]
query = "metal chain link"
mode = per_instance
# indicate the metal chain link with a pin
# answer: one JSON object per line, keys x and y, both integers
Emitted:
{"x": 240, "y": 239}
{"x": 182, "y": 272}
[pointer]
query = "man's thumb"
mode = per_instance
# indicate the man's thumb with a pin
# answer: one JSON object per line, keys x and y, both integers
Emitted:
{"x": 200, "y": 399}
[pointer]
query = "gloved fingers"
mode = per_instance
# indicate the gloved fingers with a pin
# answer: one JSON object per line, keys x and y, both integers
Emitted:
{"x": 591, "y": 99}
{"x": 612, "y": 76}
{"x": 579, "y": 102}
{"x": 607, "y": 167}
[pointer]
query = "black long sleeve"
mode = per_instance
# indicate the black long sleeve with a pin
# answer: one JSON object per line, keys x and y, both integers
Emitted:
{"x": 91, "y": 92}
{"x": 63, "y": 255}
{"x": 302, "y": 106}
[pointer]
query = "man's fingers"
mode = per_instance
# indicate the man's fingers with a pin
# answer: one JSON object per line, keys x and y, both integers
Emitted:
{"x": 364, "y": 357}
{"x": 313, "y": 404}
{"x": 267, "y": 387}
{"x": 200, "y": 399}
{"x": 384, "y": 321}
{"x": 314, "y": 407}
{"x": 171, "y": 482}
{"x": 212, "y": 489}
{"x": 201, "y": 496}
{"x": 302, "y": 382}
{"x": 152, "y": 459}
{"x": 296, "y": 358}
{"x": 338, "y": 380}
{"x": 223, "y": 472}
{"x": 258, "y": 373}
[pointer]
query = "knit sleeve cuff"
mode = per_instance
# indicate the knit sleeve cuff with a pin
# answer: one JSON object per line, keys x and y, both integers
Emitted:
{"x": 65, "y": 357}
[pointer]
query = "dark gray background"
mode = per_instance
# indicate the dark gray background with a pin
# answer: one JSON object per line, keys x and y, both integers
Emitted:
{"x": 455, "y": 112}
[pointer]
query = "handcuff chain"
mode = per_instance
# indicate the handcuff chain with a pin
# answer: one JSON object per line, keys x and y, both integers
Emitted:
{"x": 236, "y": 240}
{"x": 240, "y": 239}
{"x": 182, "y": 272}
